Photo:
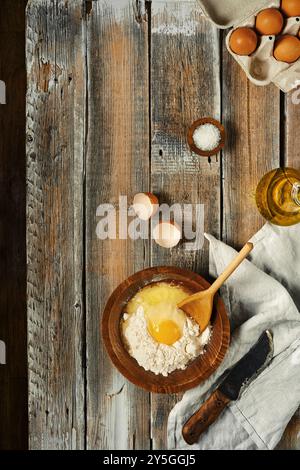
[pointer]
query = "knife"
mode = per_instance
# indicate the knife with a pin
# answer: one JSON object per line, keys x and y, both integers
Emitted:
{"x": 232, "y": 387}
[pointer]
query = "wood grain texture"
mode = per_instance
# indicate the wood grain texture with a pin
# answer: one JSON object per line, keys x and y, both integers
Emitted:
{"x": 96, "y": 71}
{"x": 262, "y": 135}
{"x": 290, "y": 129}
{"x": 185, "y": 86}
{"x": 13, "y": 326}
{"x": 290, "y": 440}
{"x": 251, "y": 116}
{"x": 55, "y": 151}
{"x": 117, "y": 163}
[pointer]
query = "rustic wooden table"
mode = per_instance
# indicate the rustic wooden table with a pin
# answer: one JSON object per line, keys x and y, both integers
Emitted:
{"x": 112, "y": 89}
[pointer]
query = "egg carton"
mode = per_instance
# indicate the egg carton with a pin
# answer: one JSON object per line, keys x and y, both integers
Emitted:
{"x": 261, "y": 67}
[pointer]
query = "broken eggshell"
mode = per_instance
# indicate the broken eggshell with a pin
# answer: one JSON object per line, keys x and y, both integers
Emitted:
{"x": 145, "y": 205}
{"x": 167, "y": 234}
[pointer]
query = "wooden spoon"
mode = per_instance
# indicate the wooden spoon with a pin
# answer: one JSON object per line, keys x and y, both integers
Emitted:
{"x": 200, "y": 306}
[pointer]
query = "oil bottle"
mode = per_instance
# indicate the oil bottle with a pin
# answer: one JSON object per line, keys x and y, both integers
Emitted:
{"x": 278, "y": 196}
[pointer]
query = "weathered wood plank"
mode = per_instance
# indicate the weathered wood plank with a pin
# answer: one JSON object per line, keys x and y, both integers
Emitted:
{"x": 55, "y": 151}
{"x": 118, "y": 413}
{"x": 252, "y": 117}
{"x": 13, "y": 327}
{"x": 117, "y": 162}
{"x": 185, "y": 72}
{"x": 291, "y": 437}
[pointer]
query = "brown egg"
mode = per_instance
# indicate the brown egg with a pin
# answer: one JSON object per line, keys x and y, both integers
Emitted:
{"x": 243, "y": 41}
{"x": 287, "y": 49}
{"x": 269, "y": 22}
{"x": 291, "y": 7}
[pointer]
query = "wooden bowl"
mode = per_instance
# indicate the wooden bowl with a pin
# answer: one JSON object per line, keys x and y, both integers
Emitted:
{"x": 192, "y": 129}
{"x": 180, "y": 380}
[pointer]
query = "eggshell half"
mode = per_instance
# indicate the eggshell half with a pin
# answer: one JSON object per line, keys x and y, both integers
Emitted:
{"x": 145, "y": 205}
{"x": 167, "y": 234}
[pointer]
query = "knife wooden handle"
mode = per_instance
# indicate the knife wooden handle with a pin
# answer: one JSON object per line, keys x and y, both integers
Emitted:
{"x": 204, "y": 417}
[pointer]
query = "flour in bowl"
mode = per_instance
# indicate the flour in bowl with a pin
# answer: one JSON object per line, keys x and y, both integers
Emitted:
{"x": 161, "y": 358}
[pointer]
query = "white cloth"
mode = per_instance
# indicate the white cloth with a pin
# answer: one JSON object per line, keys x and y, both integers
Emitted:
{"x": 263, "y": 293}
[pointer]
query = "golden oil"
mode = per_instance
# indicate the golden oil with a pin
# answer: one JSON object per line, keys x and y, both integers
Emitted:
{"x": 278, "y": 196}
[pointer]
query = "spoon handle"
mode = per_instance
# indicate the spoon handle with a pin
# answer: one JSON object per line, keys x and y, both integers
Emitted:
{"x": 231, "y": 267}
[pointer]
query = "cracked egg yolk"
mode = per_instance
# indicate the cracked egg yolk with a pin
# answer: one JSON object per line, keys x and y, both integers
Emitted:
{"x": 165, "y": 322}
{"x": 165, "y": 332}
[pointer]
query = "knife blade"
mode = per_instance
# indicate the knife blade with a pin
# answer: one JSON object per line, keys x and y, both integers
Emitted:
{"x": 236, "y": 381}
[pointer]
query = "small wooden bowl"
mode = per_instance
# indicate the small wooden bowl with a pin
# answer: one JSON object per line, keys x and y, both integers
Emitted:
{"x": 180, "y": 380}
{"x": 192, "y": 129}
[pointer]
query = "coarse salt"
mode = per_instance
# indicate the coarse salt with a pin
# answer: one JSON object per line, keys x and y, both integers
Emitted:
{"x": 207, "y": 137}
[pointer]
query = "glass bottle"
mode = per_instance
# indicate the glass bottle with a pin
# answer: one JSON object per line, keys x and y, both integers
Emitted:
{"x": 278, "y": 196}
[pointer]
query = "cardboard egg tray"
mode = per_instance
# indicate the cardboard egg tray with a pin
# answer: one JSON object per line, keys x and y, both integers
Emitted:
{"x": 261, "y": 67}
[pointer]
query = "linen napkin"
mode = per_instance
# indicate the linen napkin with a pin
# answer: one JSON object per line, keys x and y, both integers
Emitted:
{"x": 263, "y": 293}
